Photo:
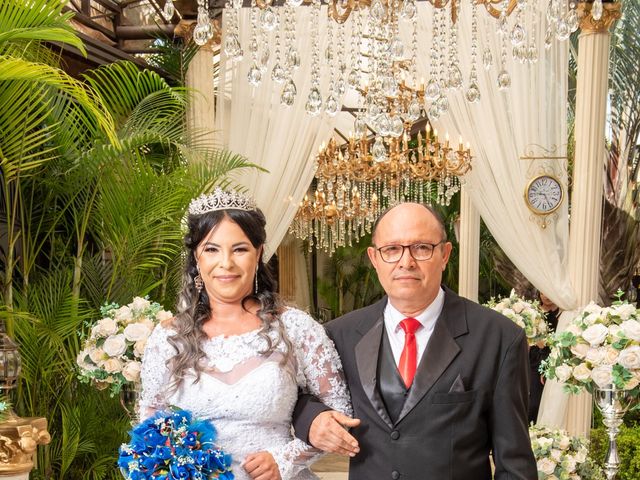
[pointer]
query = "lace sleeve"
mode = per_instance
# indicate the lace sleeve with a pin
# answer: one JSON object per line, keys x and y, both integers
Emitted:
{"x": 155, "y": 374}
{"x": 319, "y": 372}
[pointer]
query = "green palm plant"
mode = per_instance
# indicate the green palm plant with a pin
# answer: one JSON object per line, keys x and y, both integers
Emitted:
{"x": 95, "y": 178}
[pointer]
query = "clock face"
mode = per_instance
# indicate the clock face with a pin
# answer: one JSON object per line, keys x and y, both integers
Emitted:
{"x": 544, "y": 194}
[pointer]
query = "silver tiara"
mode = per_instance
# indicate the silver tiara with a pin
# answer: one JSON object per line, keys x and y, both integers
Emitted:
{"x": 221, "y": 200}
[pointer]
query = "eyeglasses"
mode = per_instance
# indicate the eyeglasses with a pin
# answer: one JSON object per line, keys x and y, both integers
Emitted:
{"x": 419, "y": 251}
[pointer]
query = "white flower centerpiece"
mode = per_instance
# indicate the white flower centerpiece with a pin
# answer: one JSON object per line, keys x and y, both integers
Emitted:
{"x": 561, "y": 456}
{"x": 112, "y": 352}
{"x": 527, "y": 315}
{"x": 600, "y": 348}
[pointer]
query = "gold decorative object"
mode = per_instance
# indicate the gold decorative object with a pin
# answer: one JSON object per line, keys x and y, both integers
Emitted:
{"x": 19, "y": 438}
{"x": 356, "y": 181}
{"x": 609, "y": 13}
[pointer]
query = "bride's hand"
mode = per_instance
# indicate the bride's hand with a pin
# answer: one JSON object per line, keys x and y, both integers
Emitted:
{"x": 261, "y": 466}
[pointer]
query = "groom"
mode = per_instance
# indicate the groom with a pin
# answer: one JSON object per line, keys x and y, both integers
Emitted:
{"x": 438, "y": 383}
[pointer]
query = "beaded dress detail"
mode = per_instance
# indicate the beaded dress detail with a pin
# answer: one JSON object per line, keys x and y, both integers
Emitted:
{"x": 250, "y": 396}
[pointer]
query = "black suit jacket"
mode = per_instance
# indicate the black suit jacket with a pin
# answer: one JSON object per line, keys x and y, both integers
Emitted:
{"x": 469, "y": 397}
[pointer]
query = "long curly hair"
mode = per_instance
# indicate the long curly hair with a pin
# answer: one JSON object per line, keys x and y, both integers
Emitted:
{"x": 193, "y": 305}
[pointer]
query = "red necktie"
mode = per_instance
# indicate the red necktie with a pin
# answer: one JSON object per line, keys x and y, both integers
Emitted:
{"x": 409, "y": 357}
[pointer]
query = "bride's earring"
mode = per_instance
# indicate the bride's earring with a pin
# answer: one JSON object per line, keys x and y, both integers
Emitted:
{"x": 197, "y": 281}
{"x": 256, "y": 280}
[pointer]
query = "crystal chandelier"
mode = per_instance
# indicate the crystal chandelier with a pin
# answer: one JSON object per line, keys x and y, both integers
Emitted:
{"x": 355, "y": 182}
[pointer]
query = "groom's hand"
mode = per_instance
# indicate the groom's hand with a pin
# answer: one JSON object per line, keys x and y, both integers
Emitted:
{"x": 261, "y": 466}
{"x": 328, "y": 433}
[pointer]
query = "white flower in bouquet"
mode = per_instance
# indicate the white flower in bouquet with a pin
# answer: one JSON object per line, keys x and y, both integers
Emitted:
{"x": 131, "y": 371}
{"x": 525, "y": 314}
{"x": 561, "y": 456}
{"x": 601, "y": 347}
{"x": 112, "y": 350}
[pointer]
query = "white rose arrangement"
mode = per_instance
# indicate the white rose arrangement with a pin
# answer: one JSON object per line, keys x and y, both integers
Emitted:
{"x": 561, "y": 456}
{"x": 527, "y": 315}
{"x": 112, "y": 352}
{"x": 599, "y": 348}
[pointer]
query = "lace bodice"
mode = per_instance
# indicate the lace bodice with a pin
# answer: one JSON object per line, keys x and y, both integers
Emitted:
{"x": 250, "y": 396}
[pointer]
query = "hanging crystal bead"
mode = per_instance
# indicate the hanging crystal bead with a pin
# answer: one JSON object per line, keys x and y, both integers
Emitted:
{"x": 562, "y": 30}
{"x": 269, "y": 19}
{"x": 597, "y": 10}
{"x": 504, "y": 80}
{"x": 255, "y": 75}
{"x": 314, "y": 102}
{"x": 331, "y": 106}
{"x": 518, "y": 35}
{"x": 408, "y": 9}
{"x": 473, "y": 93}
{"x": 168, "y": 10}
{"x": 378, "y": 151}
{"x": 455, "y": 77}
{"x": 278, "y": 74}
{"x": 433, "y": 90}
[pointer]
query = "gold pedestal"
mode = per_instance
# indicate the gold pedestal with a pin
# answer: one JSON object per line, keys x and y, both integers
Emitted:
{"x": 19, "y": 438}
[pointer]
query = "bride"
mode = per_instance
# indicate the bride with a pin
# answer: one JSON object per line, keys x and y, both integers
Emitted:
{"x": 234, "y": 354}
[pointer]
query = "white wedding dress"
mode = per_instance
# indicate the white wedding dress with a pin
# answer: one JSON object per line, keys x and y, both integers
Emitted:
{"x": 250, "y": 396}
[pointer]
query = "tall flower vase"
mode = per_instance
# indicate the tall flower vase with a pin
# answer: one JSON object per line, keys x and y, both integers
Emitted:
{"x": 613, "y": 404}
{"x": 129, "y": 399}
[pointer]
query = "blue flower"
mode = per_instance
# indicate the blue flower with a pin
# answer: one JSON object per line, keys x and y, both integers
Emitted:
{"x": 173, "y": 445}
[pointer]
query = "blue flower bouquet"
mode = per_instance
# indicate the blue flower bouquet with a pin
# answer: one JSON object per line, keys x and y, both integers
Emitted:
{"x": 173, "y": 445}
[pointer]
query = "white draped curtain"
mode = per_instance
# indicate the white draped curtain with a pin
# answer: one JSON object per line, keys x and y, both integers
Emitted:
{"x": 528, "y": 118}
{"x": 503, "y": 126}
{"x": 283, "y": 140}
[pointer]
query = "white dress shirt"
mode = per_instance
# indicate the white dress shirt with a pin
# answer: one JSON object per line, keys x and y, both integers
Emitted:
{"x": 392, "y": 319}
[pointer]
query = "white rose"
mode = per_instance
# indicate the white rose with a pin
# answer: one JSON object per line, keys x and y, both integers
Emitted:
{"x": 115, "y": 345}
{"x": 105, "y": 327}
{"x": 81, "y": 360}
{"x": 565, "y": 441}
{"x": 163, "y": 315}
{"x": 563, "y": 372}
{"x": 131, "y": 371}
{"x": 595, "y": 355}
{"x": 139, "y": 304}
{"x": 149, "y": 323}
{"x": 112, "y": 365}
{"x": 581, "y": 456}
{"x": 632, "y": 383}
{"x": 595, "y": 334}
{"x": 545, "y": 442}
{"x": 570, "y": 463}
{"x": 96, "y": 355}
{"x": 602, "y": 375}
{"x": 625, "y": 311}
{"x": 574, "y": 329}
{"x": 556, "y": 455}
{"x": 136, "y": 331}
{"x": 123, "y": 314}
{"x": 610, "y": 355}
{"x": 591, "y": 318}
{"x": 630, "y": 357}
{"x": 546, "y": 465}
{"x": 507, "y": 312}
{"x": 138, "y": 348}
{"x": 580, "y": 350}
{"x": 614, "y": 330}
{"x": 592, "y": 308}
{"x": 518, "y": 307}
{"x": 582, "y": 372}
{"x": 631, "y": 329}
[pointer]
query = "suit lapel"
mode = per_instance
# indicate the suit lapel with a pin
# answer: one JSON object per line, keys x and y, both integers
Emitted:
{"x": 440, "y": 352}
{"x": 367, "y": 351}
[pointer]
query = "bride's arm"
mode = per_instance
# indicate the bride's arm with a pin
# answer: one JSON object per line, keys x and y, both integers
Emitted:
{"x": 154, "y": 374}
{"x": 320, "y": 373}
